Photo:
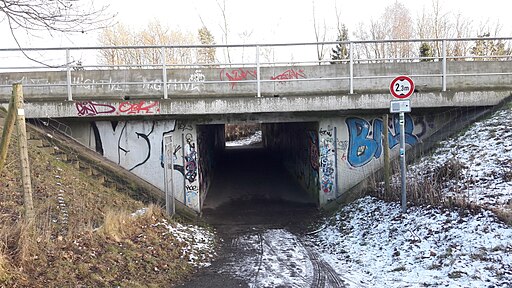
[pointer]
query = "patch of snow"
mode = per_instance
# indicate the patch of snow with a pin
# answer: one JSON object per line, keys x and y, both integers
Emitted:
{"x": 139, "y": 212}
{"x": 273, "y": 258}
{"x": 372, "y": 244}
{"x": 199, "y": 242}
{"x": 253, "y": 139}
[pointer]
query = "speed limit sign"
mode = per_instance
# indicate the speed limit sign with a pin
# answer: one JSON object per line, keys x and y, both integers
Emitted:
{"x": 401, "y": 87}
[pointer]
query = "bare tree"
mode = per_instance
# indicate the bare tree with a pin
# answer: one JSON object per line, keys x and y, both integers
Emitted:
{"x": 53, "y": 16}
{"x": 463, "y": 28}
{"x": 320, "y": 36}
{"x": 224, "y": 27}
{"x": 436, "y": 23}
{"x": 362, "y": 51}
{"x": 154, "y": 34}
{"x": 394, "y": 23}
{"x": 340, "y": 51}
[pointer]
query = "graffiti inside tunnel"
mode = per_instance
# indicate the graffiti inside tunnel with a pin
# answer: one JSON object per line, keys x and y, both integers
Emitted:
{"x": 365, "y": 138}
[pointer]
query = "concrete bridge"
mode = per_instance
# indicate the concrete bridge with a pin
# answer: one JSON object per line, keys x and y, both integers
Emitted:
{"x": 322, "y": 121}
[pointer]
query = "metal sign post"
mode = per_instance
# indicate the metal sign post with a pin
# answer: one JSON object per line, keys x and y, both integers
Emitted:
{"x": 402, "y": 87}
{"x": 402, "y": 161}
{"x": 168, "y": 184}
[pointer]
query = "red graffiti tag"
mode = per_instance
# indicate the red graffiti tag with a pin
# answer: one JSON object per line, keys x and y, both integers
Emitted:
{"x": 236, "y": 75}
{"x": 90, "y": 108}
{"x": 141, "y": 107}
{"x": 290, "y": 74}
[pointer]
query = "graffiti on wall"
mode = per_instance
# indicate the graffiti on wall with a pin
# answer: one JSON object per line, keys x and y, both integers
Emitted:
{"x": 194, "y": 82}
{"x": 365, "y": 138}
{"x": 312, "y": 161}
{"x": 122, "y": 153}
{"x": 314, "y": 155}
{"x": 327, "y": 154}
{"x": 237, "y": 75}
{"x": 91, "y": 108}
{"x": 190, "y": 169}
{"x": 138, "y": 146}
{"x": 190, "y": 156}
{"x": 290, "y": 74}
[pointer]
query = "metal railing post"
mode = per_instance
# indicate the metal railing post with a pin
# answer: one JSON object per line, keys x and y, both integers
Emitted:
{"x": 444, "y": 66}
{"x": 351, "y": 67}
{"x": 164, "y": 73}
{"x": 68, "y": 76}
{"x": 258, "y": 76}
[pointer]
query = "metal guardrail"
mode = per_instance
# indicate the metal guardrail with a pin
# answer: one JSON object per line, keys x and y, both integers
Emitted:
{"x": 358, "y": 52}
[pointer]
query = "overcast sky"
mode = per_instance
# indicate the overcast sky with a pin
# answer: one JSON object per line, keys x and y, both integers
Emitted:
{"x": 266, "y": 21}
{"x": 261, "y": 21}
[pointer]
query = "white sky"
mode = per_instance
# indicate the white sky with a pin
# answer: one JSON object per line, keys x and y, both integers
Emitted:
{"x": 268, "y": 21}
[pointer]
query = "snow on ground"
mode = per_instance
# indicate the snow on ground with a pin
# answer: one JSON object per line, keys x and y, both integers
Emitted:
{"x": 485, "y": 152}
{"x": 274, "y": 258}
{"x": 371, "y": 244}
{"x": 253, "y": 139}
{"x": 199, "y": 242}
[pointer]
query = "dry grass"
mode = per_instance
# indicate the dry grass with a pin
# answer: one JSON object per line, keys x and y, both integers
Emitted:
{"x": 61, "y": 249}
{"x": 426, "y": 189}
{"x": 4, "y": 271}
{"x": 116, "y": 224}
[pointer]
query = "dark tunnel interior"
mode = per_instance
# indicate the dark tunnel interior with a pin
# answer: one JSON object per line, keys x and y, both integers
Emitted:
{"x": 269, "y": 174}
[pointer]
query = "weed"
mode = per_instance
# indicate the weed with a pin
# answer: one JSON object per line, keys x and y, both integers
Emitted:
{"x": 456, "y": 274}
{"x": 398, "y": 269}
{"x": 4, "y": 273}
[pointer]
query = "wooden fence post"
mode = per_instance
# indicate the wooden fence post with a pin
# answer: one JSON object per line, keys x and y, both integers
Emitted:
{"x": 6, "y": 134}
{"x": 387, "y": 166}
{"x": 23, "y": 147}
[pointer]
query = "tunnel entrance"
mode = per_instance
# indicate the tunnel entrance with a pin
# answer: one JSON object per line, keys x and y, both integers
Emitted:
{"x": 273, "y": 174}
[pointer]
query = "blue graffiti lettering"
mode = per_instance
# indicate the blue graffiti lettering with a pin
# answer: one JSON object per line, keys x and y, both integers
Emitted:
{"x": 365, "y": 138}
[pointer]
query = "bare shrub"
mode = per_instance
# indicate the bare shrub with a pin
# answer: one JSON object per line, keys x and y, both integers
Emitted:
{"x": 424, "y": 188}
{"x": 450, "y": 170}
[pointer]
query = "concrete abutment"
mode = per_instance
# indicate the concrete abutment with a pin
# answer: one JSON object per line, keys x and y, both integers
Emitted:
{"x": 327, "y": 159}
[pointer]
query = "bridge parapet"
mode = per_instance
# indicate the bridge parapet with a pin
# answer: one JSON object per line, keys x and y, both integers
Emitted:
{"x": 303, "y": 80}
{"x": 255, "y": 87}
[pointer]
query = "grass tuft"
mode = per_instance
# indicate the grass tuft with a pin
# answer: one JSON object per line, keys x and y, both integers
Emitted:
{"x": 116, "y": 224}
